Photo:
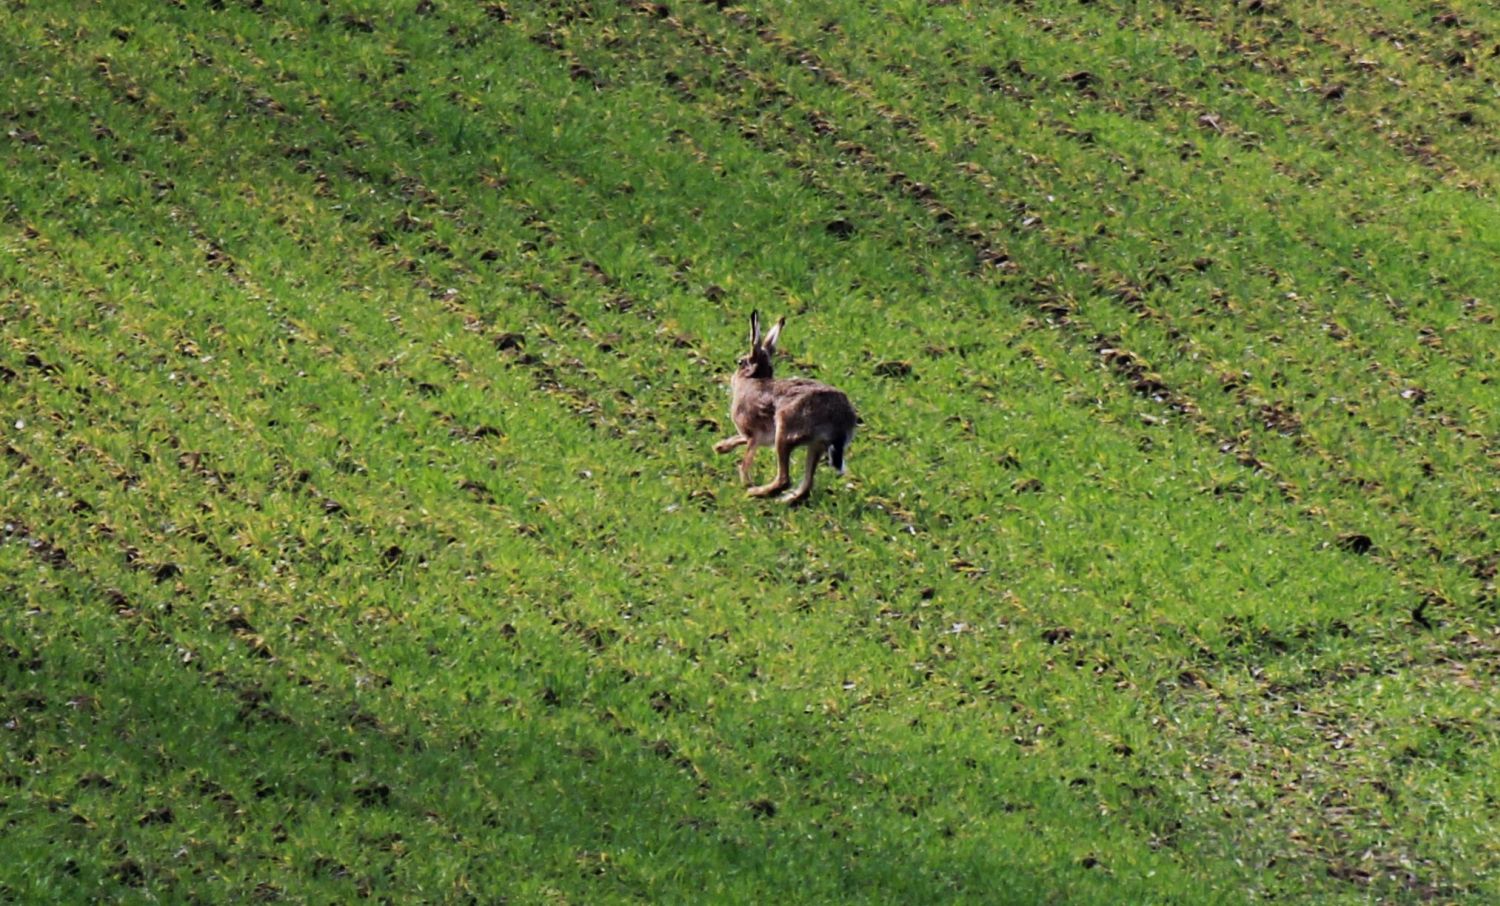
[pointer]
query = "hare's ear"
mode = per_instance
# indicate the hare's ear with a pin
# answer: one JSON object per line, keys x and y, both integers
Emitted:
{"x": 769, "y": 343}
{"x": 754, "y": 330}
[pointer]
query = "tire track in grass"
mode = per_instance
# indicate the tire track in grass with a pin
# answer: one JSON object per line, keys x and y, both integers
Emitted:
{"x": 1124, "y": 363}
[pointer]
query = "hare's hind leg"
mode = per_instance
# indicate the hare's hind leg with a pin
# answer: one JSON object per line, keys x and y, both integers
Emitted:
{"x": 815, "y": 451}
{"x": 783, "y": 468}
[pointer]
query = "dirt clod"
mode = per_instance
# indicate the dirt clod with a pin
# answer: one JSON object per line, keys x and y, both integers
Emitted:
{"x": 761, "y": 808}
{"x": 1355, "y": 543}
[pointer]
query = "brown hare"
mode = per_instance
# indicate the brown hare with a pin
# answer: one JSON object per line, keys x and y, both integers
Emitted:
{"x": 787, "y": 414}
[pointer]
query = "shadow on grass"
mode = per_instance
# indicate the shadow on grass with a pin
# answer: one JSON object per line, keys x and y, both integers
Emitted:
{"x": 129, "y": 765}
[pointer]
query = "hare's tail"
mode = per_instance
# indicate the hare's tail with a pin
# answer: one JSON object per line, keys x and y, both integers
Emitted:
{"x": 836, "y": 451}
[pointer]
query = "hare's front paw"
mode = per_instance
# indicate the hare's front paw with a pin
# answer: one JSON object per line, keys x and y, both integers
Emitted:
{"x": 727, "y": 444}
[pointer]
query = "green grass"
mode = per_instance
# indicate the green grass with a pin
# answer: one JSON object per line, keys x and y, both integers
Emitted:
{"x": 362, "y": 536}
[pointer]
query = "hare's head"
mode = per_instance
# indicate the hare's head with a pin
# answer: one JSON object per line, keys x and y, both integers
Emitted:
{"x": 756, "y": 364}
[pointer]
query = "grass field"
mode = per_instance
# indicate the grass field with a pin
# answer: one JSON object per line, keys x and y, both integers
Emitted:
{"x": 360, "y": 535}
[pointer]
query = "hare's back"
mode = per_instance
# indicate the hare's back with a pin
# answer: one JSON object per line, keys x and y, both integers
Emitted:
{"x": 812, "y": 403}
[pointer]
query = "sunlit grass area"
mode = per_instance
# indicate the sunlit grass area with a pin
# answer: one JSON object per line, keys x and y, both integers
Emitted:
{"x": 361, "y": 536}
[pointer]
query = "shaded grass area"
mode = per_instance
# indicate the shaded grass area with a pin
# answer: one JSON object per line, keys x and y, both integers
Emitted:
{"x": 363, "y": 538}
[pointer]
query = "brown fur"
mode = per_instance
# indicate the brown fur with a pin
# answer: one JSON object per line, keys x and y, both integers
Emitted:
{"x": 784, "y": 414}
